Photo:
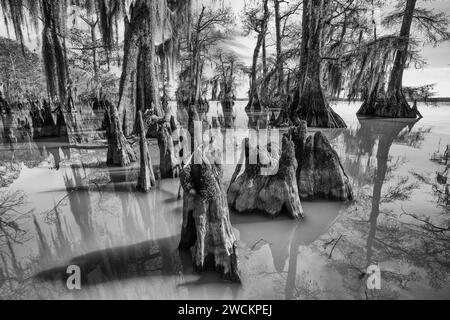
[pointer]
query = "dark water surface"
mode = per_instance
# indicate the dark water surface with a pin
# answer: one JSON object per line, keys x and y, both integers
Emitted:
{"x": 89, "y": 215}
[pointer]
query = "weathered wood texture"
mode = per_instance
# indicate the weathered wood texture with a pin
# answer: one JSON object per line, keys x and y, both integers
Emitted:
{"x": 320, "y": 173}
{"x": 120, "y": 152}
{"x": 207, "y": 229}
{"x": 252, "y": 191}
{"x": 146, "y": 179}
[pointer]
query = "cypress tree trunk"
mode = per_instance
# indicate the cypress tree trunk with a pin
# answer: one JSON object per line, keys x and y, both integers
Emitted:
{"x": 139, "y": 84}
{"x": 94, "y": 50}
{"x": 168, "y": 161}
{"x": 215, "y": 87}
{"x": 254, "y": 103}
{"x": 127, "y": 87}
{"x": 228, "y": 98}
{"x": 394, "y": 103}
{"x": 55, "y": 62}
{"x": 146, "y": 178}
{"x": 147, "y": 81}
{"x": 120, "y": 152}
{"x": 303, "y": 52}
{"x": 312, "y": 105}
{"x": 281, "y": 100}
{"x": 280, "y": 71}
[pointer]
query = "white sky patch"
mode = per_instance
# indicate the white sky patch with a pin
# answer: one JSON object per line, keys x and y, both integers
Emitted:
{"x": 438, "y": 76}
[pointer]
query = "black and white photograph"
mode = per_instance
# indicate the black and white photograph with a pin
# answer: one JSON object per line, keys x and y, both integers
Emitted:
{"x": 246, "y": 152}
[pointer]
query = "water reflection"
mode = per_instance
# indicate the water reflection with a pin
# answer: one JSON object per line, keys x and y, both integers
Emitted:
{"x": 413, "y": 138}
{"x": 80, "y": 203}
{"x": 284, "y": 240}
{"x": 139, "y": 231}
{"x": 386, "y": 133}
{"x": 406, "y": 248}
{"x": 121, "y": 263}
{"x": 127, "y": 241}
{"x": 258, "y": 119}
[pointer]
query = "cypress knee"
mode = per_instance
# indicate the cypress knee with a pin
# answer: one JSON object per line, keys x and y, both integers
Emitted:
{"x": 146, "y": 178}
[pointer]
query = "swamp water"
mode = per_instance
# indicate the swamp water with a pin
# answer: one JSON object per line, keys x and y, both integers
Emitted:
{"x": 86, "y": 214}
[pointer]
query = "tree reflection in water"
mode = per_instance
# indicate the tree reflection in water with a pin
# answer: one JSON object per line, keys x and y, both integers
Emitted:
{"x": 408, "y": 248}
{"x": 15, "y": 271}
{"x": 126, "y": 242}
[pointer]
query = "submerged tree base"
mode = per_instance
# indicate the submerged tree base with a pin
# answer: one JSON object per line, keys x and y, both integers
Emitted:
{"x": 169, "y": 165}
{"x": 315, "y": 110}
{"x": 162, "y": 128}
{"x": 146, "y": 178}
{"x": 253, "y": 191}
{"x": 393, "y": 106}
{"x": 207, "y": 230}
{"x": 120, "y": 152}
{"x": 320, "y": 174}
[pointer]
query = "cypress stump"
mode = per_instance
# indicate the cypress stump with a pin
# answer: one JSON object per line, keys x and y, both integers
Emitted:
{"x": 253, "y": 191}
{"x": 320, "y": 174}
{"x": 207, "y": 229}
{"x": 146, "y": 178}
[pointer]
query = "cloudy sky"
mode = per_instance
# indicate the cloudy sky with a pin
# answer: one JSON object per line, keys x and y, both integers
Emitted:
{"x": 437, "y": 71}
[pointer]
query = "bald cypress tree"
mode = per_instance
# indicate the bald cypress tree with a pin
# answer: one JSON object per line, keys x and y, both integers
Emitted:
{"x": 310, "y": 103}
{"x": 393, "y": 104}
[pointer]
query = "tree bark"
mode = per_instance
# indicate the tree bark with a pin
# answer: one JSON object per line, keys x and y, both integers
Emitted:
{"x": 139, "y": 89}
{"x": 92, "y": 25}
{"x": 396, "y": 80}
{"x": 120, "y": 152}
{"x": 207, "y": 229}
{"x": 195, "y": 63}
{"x": 215, "y": 87}
{"x": 55, "y": 61}
{"x": 168, "y": 160}
{"x": 227, "y": 97}
{"x": 146, "y": 178}
{"x": 254, "y": 101}
{"x": 271, "y": 194}
{"x": 304, "y": 47}
{"x": 312, "y": 105}
{"x": 320, "y": 174}
{"x": 280, "y": 71}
